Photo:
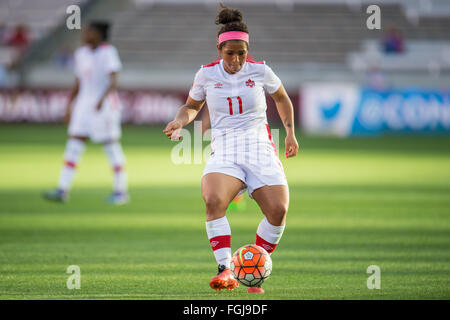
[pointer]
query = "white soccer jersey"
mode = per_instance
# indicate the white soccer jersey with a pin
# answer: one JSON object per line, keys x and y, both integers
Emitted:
{"x": 241, "y": 144}
{"x": 92, "y": 68}
{"x": 235, "y": 101}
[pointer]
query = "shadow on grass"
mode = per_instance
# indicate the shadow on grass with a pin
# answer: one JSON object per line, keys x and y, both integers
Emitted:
{"x": 189, "y": 199}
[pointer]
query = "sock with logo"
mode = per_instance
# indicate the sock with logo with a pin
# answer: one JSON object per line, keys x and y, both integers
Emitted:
{"x": 268, "y": 236}
{"x": 219, "y": 235}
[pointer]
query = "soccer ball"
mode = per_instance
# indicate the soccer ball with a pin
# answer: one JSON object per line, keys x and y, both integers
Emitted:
{"x": 251, "y": 265}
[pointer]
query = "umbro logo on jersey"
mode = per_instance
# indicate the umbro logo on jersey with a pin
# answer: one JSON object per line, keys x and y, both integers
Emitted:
{"x": 218, "y": 85}
{"x": 250, "y": 83}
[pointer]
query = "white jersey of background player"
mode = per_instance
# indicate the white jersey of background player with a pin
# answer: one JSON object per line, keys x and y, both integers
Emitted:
{"x": 95, "y": 113}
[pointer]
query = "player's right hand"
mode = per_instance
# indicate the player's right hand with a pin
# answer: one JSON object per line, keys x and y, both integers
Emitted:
{"x": 172, "y": 130}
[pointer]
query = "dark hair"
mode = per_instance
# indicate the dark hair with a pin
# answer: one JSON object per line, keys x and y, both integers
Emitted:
{"x": 102, "y": 27}
{"x": 231, "y": 20}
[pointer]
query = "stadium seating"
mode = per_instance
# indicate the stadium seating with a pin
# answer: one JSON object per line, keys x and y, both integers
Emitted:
{"x": 304, "y": 40}
{"x": 40, "y": 16}
{"x": 306, "y": 33}
{"x": 422, "y": 55}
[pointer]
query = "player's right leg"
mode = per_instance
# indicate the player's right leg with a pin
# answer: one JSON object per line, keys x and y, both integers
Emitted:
{"x": 274, "y": 202}
{"x": 75, "y": 147}
{"x": 218, "y": 190}
{"x": 78, "y": 132}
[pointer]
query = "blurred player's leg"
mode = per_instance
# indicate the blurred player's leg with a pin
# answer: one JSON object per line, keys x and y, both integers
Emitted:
{"x": 116, "y": 158}
{"x": 74, "y": 150}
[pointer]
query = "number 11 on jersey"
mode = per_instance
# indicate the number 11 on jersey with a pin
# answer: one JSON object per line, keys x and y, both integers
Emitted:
{"x": 230, "y": 105}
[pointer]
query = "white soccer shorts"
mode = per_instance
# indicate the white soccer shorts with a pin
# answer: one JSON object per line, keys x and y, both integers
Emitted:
{"x": 254, "y": 169}
{"x": 99, "y": 126}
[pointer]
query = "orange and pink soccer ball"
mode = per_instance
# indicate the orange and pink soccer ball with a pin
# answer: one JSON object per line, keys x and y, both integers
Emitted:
{"x": 251, "y": 265}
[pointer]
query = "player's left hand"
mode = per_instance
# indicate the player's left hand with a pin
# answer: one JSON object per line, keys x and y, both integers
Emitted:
{"x": 291, "y": 146}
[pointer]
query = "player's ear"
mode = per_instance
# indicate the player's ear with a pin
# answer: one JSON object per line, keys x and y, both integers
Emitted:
{"x": 219, "y": 51}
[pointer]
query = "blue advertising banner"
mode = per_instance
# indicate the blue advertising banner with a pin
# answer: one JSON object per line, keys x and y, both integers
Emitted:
{"x": 402, "y": 111}
{"x": 346, "y": 109}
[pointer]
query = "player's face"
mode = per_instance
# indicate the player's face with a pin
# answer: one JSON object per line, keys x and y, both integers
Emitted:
{"x": 91, "y": 36}
{"x": 234, "y": 53}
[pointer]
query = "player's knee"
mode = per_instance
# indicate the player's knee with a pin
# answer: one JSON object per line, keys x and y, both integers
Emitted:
{"x": 213, "y": 203}
{"x": 276, "y": 215}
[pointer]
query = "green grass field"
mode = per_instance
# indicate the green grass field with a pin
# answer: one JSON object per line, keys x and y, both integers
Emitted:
{"x": 354, "y": 203}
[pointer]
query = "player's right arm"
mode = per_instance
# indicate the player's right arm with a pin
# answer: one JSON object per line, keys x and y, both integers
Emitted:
{"x": 187, "y": 112}
{"x": 72, "y": 96}
{"x": 185, "y": 115}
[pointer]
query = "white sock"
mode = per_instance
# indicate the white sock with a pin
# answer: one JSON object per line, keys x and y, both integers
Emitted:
{"x": 116, "y": 158}
{"x": 72, "y": 155}
{"x": 219, "y": 235}
{"x": 268, "y": 236}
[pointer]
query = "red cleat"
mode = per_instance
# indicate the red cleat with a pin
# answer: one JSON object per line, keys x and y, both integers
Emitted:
{"x": 223, "y": 280}
{"x": 255, "y": 290}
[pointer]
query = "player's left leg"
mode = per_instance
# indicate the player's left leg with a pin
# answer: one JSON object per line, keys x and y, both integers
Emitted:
{"x": 274, "y": 203}
{"x": 116, "y": 157}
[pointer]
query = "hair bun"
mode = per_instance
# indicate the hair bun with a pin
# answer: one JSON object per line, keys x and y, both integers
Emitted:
{"x": 227, "y": 15}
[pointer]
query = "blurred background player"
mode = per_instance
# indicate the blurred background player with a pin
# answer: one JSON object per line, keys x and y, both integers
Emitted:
{"x": 96, "y": 112}
{"x": 234, "y": 89}
{"x": 238, "y": 203}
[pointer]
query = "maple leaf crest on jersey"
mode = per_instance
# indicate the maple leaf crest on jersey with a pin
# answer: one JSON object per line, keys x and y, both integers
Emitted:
{"x": 250, "y": 83}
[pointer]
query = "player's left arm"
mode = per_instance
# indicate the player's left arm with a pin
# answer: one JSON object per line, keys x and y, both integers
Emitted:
{"x": 111, "y": 88}
{"x": 286, "y": 112}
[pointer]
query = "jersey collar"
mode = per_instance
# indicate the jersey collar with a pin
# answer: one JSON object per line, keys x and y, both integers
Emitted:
{"x": 229, "y": 74}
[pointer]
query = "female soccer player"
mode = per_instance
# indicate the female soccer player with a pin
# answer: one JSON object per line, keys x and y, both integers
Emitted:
{"x": 96, "y": 113}
{"x": 243, "y": 154}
